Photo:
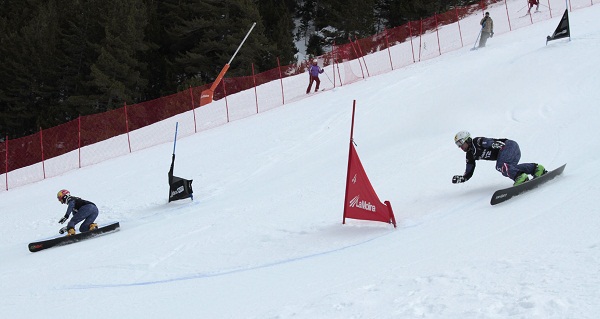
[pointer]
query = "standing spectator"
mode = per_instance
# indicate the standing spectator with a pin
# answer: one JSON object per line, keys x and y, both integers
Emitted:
{"x": 314, "y": 72}
{"x": 487, "y": 29}
{"x": 535, "y": 3}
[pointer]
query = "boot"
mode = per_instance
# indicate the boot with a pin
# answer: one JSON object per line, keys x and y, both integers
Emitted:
{"x": 520, "y": 179}
{"x": 93, "y": 226}
{"x": 539, "y": 171}
{"x": 70, "y": 231}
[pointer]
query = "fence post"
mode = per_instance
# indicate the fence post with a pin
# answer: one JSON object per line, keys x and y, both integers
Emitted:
{"x": 420, "y": 38}
{"x": 193, "y": 108}
{"x": 437, "y": 33}
{"x": 281, "y": 81}
{"x": 357, "y": 58}
{"x": 255, "y": 94}
{"x": 508, "y": 16}
{"x": 6, "y": 163}
{"x": 332, "y": 63}
{"x": 459, "y": 31}
{"x": 226, "y": 103}
{"x": 412, "y": 47}
{"x": 362, "y": 56}
{"x": 336, "y": 63}
{"x": 387, "y": 44}
{"x": 79, "y": 138}
{"x": 127, "y": 125}
{"x": 42, "y": 151}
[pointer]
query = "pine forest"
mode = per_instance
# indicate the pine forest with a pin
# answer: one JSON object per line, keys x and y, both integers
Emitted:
{"x": 64, "y": 58}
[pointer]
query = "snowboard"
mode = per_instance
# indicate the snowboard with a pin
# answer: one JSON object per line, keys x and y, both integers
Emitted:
{"x": 65, "y": 240}
{"x": 503, "y": 195}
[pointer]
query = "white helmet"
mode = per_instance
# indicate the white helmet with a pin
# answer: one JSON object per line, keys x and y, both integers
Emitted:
{"x": 461, "y": 137}
{"x": 315, "y": 61}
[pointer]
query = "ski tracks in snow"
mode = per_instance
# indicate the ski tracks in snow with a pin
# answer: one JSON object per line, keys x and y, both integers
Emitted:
{"x": 224, "y": 272}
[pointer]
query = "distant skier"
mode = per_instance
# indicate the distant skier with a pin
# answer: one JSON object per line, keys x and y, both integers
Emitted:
{"x": 505, "y": 152}
{"x": 314, "y": 72}
{"x": 487, "y": 29}
{"x": 535, "y": 3}
{"x": 82, "y": 210}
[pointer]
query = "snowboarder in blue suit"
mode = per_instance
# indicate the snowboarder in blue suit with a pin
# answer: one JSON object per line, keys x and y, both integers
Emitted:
{"x": 314, "y": 72}
{"x": 505, "y": 152}
{"x": 81, "y": 209}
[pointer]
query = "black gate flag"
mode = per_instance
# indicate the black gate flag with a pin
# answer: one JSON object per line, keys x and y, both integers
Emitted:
{"x": 179, "y": 188}
{"x": 563, "y": 30}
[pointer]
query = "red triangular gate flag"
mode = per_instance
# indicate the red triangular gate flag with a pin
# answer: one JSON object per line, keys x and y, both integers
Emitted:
{"x": 361, "y": 200}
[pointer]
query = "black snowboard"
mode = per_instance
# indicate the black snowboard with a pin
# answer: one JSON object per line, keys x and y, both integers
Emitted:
{"x": 65, "y": 240}
{"x": 508, "y": 193}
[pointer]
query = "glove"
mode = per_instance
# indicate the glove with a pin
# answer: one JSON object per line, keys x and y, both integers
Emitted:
{"x": 498, "y": 145}
{"x": 62, "y": 220}
{"x": 62, "y": 230}
{"x": 321, "y": 71}
{"x": 457, "y": 179}
{"x": 492, "y": 35}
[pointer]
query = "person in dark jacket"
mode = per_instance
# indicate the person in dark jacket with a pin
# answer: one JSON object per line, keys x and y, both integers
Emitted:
{"x": 314, "y": 72}
{"x": 487, "y": 29}
{"x": 505, "y": 152}
{"x": 82, "y": 210}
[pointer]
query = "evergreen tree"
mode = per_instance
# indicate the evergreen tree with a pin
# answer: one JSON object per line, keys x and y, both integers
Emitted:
{"x": 279, "y": 27}
{"x": 155, "y": 57}
{"x": 347, "y": 17}
{"x": 116, "y": 75}
{"x": 399, "y": 12}
{"x": 188, "y": 24}
{"x": 80, "y": 31}
{"x": 306, "y": 15}
{"x": 202, "y": 37}
{"x": 28, "y": 74}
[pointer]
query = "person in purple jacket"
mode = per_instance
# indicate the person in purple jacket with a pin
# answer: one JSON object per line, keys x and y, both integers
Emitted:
{"x": 505, "y": 152}
{"x": 82, "y": 210}
{"x": 314, "y": 72}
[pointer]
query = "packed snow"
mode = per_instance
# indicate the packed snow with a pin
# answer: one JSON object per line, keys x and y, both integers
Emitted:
{"x": 263, "y": 237}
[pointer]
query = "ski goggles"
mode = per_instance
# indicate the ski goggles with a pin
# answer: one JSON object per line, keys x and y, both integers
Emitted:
{"x": 460, "y": 142}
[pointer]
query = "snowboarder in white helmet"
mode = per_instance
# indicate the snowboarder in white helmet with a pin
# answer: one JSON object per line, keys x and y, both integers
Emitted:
{"x": 505, "y": 152}
{"x": 82, "y": 210}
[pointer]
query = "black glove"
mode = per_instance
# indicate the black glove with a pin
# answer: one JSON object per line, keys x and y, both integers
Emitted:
{"x": 498, "y": 145}
{"x": 62, "y": 230}
{"x": 492, "y": 35}
{"x": 62, "y": 220}
{"x": 458, "y": 179}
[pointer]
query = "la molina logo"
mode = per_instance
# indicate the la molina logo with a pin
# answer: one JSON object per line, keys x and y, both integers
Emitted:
{"x": 358, "y": 203}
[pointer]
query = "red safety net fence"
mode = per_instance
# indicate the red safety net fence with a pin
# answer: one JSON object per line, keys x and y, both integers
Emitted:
{"x": 91, "y": 139}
